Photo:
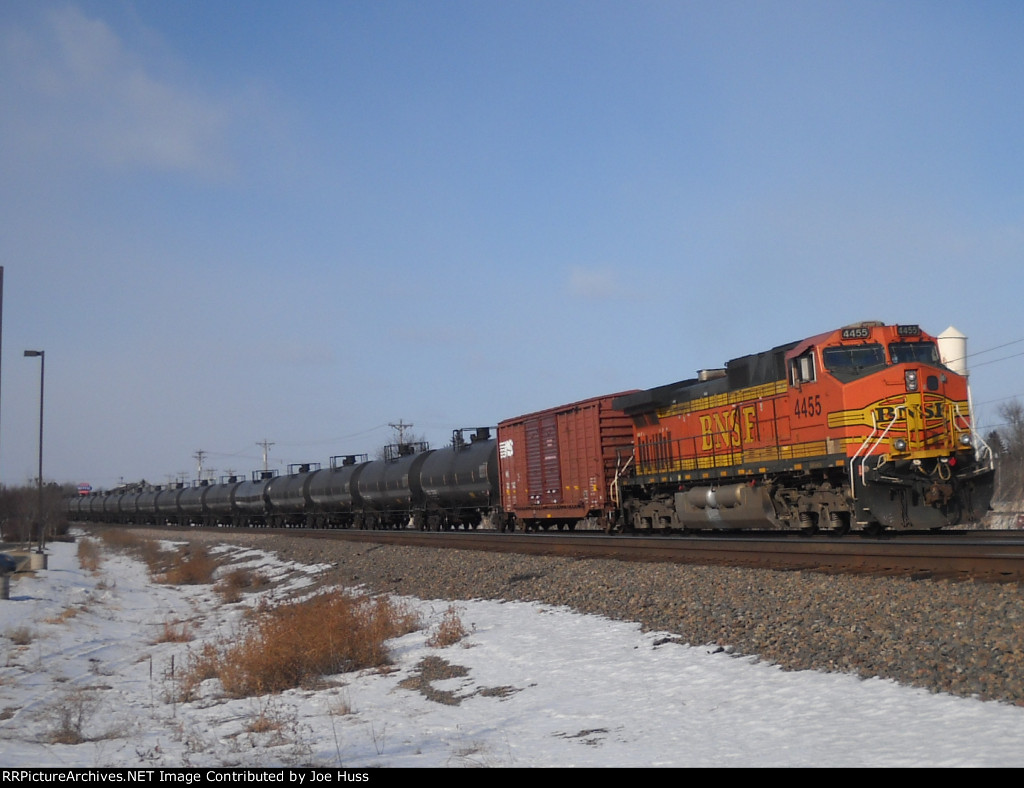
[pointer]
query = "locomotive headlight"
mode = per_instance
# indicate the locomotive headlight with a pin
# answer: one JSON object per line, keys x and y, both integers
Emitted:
{"x": 899, "y": 444}
{"x": 911, "y": 378}
{"x": 965, "y": 440}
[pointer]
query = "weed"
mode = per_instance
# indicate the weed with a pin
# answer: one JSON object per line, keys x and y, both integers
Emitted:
{"x": 64, "y": 615}
{"x": 341, "y": 706}
{"x": 190, "y": 565}
{"x": 275, "y": 718}
{"x": 89, "y": 555}
{"x": 120, "y": 539}
{"x": 235, "y": 582}
{"x": 175, "y": 632}
{"x": 145, "y": 549}
{"x": 70, "y": 714}
{"x": 151, "y": 554}
{"x": 295, "y": 644}
{"x": 201, "y": 666}
{"x": 450, "y": 631}
{"x": 20, "y": 636}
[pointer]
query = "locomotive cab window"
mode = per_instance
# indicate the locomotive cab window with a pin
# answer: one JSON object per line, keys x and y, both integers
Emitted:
{"x": 801, "y": 369}
{"x": 848, "y": 362}
{"x": 914, "y": 353}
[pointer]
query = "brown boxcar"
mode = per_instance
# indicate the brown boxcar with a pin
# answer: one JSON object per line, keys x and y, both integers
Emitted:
{"x": 556, "y": 467}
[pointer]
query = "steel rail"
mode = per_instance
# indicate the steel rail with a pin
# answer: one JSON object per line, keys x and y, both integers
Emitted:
{"x": 988, "y": 559}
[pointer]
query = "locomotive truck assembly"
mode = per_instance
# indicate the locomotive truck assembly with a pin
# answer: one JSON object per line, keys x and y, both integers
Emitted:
{"x": 867, "y": 427}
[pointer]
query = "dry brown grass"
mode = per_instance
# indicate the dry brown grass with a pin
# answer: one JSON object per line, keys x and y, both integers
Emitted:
{"x": 175, "y": 632}
{"x": 231, "y": 586}
{"x": 147, "y": 550}
{"x": 293, "y": 645}
{"x": 64, "y": 615}
{"x": 189, "y": 565}
{"x": 449, "y": 631}
{"x": 89, "y": 555}
{"x": 121, "y": 539}
{"x": 20, "y": 636}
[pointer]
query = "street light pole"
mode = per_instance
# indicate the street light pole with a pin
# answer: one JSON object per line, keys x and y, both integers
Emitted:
{"x": 39, "y": 478}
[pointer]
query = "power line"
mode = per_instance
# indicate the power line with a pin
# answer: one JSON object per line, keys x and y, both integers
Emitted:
{"x": 947, "y": 362}
{"x": 993, "y": 361}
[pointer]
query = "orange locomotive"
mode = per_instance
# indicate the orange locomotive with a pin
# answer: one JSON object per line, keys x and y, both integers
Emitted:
{"x": 860, "y": 427}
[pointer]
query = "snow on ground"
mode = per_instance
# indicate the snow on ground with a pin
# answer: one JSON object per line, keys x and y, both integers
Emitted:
{"x": 539, "y": 686}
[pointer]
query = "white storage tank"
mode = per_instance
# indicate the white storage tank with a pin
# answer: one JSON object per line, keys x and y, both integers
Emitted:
{"x": 953, "y": 350}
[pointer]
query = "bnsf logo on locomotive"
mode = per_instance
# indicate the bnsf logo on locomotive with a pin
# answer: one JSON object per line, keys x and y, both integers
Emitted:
{"x": 930, "y": 410}
{"x": 729, "y": 430}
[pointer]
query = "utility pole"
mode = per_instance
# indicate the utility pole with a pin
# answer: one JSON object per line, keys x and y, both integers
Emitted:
{"x": 266, "y": 450}
{"x": 41, "y": 355}
{"x": 199, "y": 458}
{"x": 400, "y": 428}
{"x": 1, "y": 310}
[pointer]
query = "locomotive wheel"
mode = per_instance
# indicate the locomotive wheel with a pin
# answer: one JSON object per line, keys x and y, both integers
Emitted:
{"x": 840, "y": 523}
{"x": 808, "y": 523}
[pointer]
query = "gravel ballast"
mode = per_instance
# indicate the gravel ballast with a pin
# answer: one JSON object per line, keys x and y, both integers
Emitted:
{"x": 964, "y": 638}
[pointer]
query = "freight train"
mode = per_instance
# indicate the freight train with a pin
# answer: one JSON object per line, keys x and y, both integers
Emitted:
{"x": 867, "y": 427}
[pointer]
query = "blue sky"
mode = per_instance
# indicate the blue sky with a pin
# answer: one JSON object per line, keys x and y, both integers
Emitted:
{"x": 235, "y": 221}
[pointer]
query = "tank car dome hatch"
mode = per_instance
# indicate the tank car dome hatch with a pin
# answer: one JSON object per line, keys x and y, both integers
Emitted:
{"x": 953, "y": 350}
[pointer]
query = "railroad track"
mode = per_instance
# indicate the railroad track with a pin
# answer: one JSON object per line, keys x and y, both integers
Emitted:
{"x": 984, "y": 556}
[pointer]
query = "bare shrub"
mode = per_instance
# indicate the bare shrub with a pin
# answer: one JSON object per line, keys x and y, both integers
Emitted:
{"x": 231, "y": 586}
{"x": 202, "y": 665}
{"x": 449, "y": 631}
{"x": 175, "y": 632}
{"x": 294, "y": 644}
{"x": 70, "y": 714}
{"x": 89, "y": 555}
{"x": 20, "y": 636}
{"x": 268, "y": 718}
{"x": 341, "y": 706}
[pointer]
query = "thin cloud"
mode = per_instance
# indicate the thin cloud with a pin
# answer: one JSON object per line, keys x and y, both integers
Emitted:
{"x": 73, "y": 89}
{"x": 593, "y": 283}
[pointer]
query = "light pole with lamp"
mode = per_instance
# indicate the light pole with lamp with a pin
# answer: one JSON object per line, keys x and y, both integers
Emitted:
{"x": 39, "y": 479}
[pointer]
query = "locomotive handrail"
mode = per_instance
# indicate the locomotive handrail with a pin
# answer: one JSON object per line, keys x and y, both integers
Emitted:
{"x": 878, "y": 441}
{"x": 614, "y": 492}
{"x": 960, "y": 420}
{"x": 853, "y": 461}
